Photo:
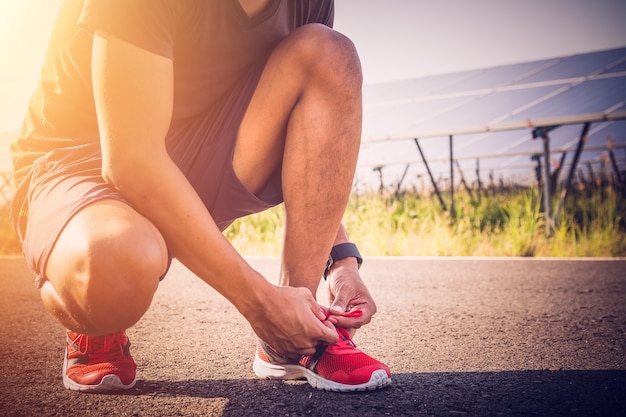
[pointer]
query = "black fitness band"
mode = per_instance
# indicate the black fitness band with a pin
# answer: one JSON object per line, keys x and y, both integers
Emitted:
{"x": 341, "y": 251}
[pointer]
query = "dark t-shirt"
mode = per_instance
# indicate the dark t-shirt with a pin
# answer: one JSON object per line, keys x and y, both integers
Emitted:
{"x": 212, "y": 43}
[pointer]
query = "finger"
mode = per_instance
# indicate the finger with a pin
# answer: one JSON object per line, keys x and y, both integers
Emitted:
{"x": 329, "y": 324}
{"x": 324, "y": 312}
{"x": 339, "y": 306}
{"x": 349, "y": 323}
{"x": 329, "y": 333}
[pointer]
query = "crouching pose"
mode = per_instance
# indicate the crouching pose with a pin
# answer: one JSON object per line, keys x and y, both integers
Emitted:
{"x": 155, "y": 124}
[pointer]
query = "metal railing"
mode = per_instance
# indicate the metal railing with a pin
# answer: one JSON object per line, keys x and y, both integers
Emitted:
{"x": 5, "y": 192}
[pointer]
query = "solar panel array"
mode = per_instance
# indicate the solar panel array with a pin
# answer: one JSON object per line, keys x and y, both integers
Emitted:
{"x": 491, "y": 114}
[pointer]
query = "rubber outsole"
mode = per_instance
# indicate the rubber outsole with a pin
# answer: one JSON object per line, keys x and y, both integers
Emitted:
{"x": 262, "y": 369}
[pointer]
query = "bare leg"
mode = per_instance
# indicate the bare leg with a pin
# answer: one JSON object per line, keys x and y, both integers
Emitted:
{"x": 305, "y": 115}
{"x": 104, "y": 269}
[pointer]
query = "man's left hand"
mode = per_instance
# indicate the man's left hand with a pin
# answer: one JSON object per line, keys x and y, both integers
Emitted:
{"x": 347, "y": 295}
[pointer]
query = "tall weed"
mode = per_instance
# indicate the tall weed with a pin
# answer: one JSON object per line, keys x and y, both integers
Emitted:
{"x": 591, "y": 224}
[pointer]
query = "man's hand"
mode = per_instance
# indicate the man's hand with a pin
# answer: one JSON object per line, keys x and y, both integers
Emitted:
{"x": 347, "y": 294}
{"x": 291, "y": 322}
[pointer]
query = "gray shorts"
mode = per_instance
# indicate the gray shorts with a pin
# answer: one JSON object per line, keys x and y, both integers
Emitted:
{"x": 65, "y": 180}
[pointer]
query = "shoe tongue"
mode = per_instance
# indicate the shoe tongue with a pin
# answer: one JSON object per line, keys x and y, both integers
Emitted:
{"x": 344, "y": 341}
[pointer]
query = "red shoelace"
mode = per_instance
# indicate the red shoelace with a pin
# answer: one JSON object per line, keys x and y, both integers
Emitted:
{"x": 99, "y": 348}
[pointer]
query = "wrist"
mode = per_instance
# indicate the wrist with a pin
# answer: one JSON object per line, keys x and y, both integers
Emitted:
{"x": 350, "y": 263}
{"x": 258, "y": 291}
{"x": 343, "y": 254}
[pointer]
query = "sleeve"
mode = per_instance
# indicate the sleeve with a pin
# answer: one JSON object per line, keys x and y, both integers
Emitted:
{"x": 319, "y": 11}
{"x": 148, "y": 24}
{"x": 329, "y": 14}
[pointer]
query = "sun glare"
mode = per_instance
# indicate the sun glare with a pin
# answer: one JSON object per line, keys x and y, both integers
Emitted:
{"x": 24, "y": 30}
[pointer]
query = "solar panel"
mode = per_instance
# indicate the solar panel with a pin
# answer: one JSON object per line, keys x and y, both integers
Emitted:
{"x": 591, "y": 96}
{"x": 494, "y": 77}
{"x": 577, "y": 66}
{"x": 475, "y": 106}
{"x": 410, "y": 89}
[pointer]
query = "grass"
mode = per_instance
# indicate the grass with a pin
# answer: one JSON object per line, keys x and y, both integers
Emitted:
{"x": 592, "y": 224}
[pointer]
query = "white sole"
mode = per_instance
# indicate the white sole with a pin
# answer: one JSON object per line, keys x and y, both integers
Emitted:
{"x": 267, "y": 370}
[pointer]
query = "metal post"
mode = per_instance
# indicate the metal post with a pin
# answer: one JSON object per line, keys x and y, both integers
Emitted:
{"x": 480, "y": 184}
{"x": 592, "y": 175}
{"x": 538, "y": 168}
{"x": 432, "y": 179}
{"x": 465, "y": 185}
{"x": 547, "y": 192}
{"x": 399, "y": 186}
{"x": 452, "y": 212}
{"x": 557, "y": 172}
{"x": 380, "y": 176}
{"x": 572, "y": 170}
{"x": 614, "y": 164}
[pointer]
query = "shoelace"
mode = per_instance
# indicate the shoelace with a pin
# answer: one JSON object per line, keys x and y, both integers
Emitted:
{"x": 100, "y": 348}
{"x": 344, "y": 342}
{"x": 353, "y": 313}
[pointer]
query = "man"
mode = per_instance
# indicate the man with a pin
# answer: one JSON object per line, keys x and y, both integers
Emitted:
{"x": 154, "y": 126}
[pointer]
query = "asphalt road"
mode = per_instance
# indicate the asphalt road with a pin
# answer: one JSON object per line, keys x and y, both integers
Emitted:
{"x": 464, "y": 336}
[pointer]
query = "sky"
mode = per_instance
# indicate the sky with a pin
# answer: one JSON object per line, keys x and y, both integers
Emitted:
{"x": 396, "y": 39}
{"x": 399, "y": 39}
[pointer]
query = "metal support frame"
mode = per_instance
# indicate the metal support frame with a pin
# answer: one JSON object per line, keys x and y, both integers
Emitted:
{"x": 547, "y": 192}
{"x": 618, "y": 175}
{"x": 430, "y": 174}
{"x": 399, "y": 185}
{"x": 464, "y": 182}
{"x": 452, "y": 211}
{"x": 479, "y": 182}
{"x": 592, "y": 175}
{"x": 572, "y": 170}
{"x": 380, "y": 176}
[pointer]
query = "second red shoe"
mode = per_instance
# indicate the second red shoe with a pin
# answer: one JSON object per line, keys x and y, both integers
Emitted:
{"x": 339, "y": 367}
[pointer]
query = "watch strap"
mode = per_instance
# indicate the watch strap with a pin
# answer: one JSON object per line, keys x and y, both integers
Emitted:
{"x": 342, "y": 251}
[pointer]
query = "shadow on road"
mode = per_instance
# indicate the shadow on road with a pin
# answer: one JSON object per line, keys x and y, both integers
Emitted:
{"x": 554, "y": 393}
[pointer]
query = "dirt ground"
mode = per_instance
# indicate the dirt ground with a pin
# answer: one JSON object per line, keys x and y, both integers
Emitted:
{"x": 462, "y": 336}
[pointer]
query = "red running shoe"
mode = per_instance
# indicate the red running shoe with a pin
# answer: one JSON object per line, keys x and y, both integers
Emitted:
{"x": 98, "y": 363}
{"x": 340, "y": 367}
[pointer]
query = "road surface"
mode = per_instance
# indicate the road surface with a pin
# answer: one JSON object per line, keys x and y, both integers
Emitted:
{"x": 462, "y": 336}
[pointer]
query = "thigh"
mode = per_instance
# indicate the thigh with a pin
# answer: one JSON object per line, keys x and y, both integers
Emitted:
{"x": 63, "y": 183}
{"x": 202, "y": 147}
{"x": 306, "y": 66}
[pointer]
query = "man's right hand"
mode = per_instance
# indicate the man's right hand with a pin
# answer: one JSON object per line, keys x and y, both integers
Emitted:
{"x": 291, "y": 321}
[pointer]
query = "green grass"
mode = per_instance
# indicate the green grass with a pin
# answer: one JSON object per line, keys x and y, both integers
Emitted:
{"x": 592, "y": 224}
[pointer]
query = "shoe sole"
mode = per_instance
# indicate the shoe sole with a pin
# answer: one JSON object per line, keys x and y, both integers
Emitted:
{"x": 262, "y": 369}
{"x": 108, "y": 382}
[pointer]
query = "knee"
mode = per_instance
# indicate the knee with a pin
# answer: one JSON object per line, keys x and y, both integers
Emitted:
{"x": 129, "y": 265}
{"x": 325, "y": 53}
{"x": 123, "y": 276}
{"x": 110, "y": 276}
